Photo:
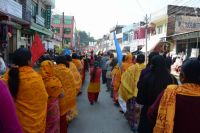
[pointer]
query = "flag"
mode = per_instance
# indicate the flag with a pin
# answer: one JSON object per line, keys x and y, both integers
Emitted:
{"x": 119, "y": 51}
{"x": 37, "y": 49}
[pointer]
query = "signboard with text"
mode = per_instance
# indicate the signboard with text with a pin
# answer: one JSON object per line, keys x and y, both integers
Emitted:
{"x": 187, "y": 24}
{"x": 48, "y": 17}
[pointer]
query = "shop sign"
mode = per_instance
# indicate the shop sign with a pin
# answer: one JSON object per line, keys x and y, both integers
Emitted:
{"x": 187, "y": 24}
{"x": 40, "y": 20}
{"x": 48, "y": 17}
{"x": 11, "y": 7}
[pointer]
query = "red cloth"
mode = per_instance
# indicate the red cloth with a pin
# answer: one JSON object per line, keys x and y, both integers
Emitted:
{"x": 93, "y": 97}
{"x": 63, "y": 124}
{"x": 97, "y": 75}
{"x": 37, "y": 49}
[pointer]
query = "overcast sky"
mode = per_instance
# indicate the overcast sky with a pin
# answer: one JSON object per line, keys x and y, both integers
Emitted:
{"x": 98, "y": 16}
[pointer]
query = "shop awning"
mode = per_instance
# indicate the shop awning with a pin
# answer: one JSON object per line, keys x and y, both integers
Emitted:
{"x": 151, "y": 44}
{"x": 41, "y": 29}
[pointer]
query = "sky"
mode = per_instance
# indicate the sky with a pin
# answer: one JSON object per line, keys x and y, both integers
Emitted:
{"x": 97, "y": 17}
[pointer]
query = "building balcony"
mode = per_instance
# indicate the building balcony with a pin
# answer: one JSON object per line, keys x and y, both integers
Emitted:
{"x": 11, "y": 7}
{"x": 49, "y": 2}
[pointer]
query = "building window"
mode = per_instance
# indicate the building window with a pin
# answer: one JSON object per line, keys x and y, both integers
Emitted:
{"x": 43, "y": 12}
{"x": 56, "y": 30}
{"x": 160, "y": 29}
{"x": 34, "y": 8}
{"x": 68, "y": 21}
{"x": 67, "y": 31}
{"x": 67, "y": 40}
{"x": 56, "y": 21}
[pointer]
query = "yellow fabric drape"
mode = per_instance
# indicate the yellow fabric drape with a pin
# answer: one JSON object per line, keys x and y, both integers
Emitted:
{"x": 52, "y": 83}
{"x": 128, "y": 62}
{"x": 77, "y": 76}
{"x": 128, "y": 86}
{"x": 31, "y": 101}
{"x": 78, "y": 64}
{"x": 166, "y": 112}
{"x": 116, "y": 74}
{"x": 68, "y": 104}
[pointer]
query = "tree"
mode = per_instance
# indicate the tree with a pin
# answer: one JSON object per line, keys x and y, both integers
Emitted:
{"x": 83, "y": 38}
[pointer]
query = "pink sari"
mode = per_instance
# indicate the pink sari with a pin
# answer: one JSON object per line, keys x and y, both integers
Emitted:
{"x": 53, "y": 117}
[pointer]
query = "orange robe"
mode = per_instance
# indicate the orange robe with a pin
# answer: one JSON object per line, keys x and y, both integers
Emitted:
{"x": 127, "y": 63}
{"x": 77, "y": 76}
{"x": 79, "y": 66}
{"x": 68, "y": 104}
{"x": 31, "y": 102}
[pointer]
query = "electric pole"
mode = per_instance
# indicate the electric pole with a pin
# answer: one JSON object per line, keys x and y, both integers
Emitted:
{"x": 63, "y": 23}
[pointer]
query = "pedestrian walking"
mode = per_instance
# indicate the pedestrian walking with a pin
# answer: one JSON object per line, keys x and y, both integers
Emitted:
{"x": 68, "y": 104}
{"x": 151, "y": 86}
{"x": 108, "y": 73}
{"x": 28, "y": 91}
{"x": 94, "y": 86}
{"x": 55, "y": 91}
{"x": 103, "y": 61}
{"x": 128, "y": 90}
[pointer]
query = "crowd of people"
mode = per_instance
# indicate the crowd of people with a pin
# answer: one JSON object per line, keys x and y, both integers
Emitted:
{"x": 44, "y": 100}
{"x": 148, "y": 95}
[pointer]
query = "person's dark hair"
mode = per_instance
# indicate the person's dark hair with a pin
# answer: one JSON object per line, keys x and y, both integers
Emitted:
{"x": 74, "y": 56}
{"x": 123, "y": 58}
{"x": 62, "y": 60}
{"x": 113, "y": 63}
{"x": 21, "y": 57}
{"x": 111, "y": 55}
{"x": 199, "y": 57}
{"x": 140, "y": 59}
{"x": 68, "y": 58}
{"x": 191, "y": 70}
{"x": 96, "y": 65}
{"x": 151, "y": 55}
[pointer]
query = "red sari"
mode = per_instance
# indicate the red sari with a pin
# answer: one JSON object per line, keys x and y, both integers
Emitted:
{"x": 94, "y": 86}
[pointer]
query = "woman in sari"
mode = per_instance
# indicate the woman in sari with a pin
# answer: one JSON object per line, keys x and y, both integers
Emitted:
{"x": 55, "y": 91}
{"x": 77, "y": 63}
{"x": 76, "y": 74}
{"x": 180, "y": 104}
{"x": 128, "y": 89}
{"x": 68, "y": 104}
{"x": 127, "y": 63}
{"x": 28, "y": 91}
{"x": 94, "y": 86}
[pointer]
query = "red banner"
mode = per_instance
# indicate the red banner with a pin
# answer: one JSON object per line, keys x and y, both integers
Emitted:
{"x": 37, "y": 49}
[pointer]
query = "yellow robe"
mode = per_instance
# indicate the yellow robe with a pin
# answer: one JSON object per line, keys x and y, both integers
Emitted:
{"x": 128, "y": 87}
{"x": 52, "y": 83}
{"x": 68, "y": 104}
{"x": 77, "y": 76}
{"x": 79, "y": 66}
{"x": 31, "y": 102}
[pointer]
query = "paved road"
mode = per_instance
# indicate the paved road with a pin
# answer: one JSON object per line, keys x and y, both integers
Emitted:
{"x": 102, "y": 117}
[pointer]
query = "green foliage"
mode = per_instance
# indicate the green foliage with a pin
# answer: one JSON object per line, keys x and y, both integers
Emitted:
{"x": 84, "y": 38}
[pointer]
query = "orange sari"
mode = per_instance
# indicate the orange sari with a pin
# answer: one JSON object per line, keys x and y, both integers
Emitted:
{"x": 79, "y": 66}
{"x": 77, "y": 76}
{"x": 68, "y": 103}
{"x": 54, "y": 89}
{"x": 127, "y": 63}
{"x": 31, "y": 102}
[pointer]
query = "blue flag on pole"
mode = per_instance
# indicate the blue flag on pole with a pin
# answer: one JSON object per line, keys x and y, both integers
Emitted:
{"x": 119, "y": 51}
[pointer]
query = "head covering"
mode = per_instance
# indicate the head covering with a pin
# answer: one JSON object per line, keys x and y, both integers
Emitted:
{"x": 46, "y": 69}
{"x": 158, "y": 61}
{"x": 128, "y": 58}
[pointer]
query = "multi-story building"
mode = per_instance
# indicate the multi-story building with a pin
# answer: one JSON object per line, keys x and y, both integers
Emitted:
{"x": 69, "y": 28}
{"x": 20, "y": 20}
